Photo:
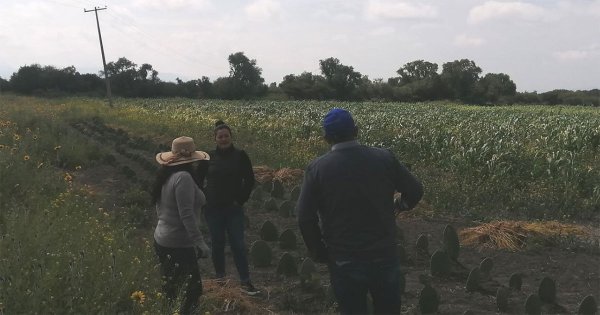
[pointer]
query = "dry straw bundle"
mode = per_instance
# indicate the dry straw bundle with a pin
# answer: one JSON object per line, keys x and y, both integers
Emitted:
{"x": 512, "y": 235}
{"x": 288, "y": 176}
{"x": 224, "y": 296}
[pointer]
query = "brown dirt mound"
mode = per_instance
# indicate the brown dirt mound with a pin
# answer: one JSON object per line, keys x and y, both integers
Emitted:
{"x": 513, "y": 235}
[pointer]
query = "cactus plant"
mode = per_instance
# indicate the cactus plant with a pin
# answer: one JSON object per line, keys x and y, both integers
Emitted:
{"x": 309, "y": 278}
{"x": 547, "y": 290}
{"x": 267, "y": 186}
{"x": 287, "y": 265}
{"x": 277, "y": 191}
{"x": 295, "y": 193}
{"x": 440, "y": 263}
{"x": 423, "y": 243}
{"x": 486, "y": 266}
{"x": 287, "y": 239}
{"x": 515, "y": 282}
{"x": 257, "y": 194}
{"x": 402, "y": 256}
{"x": 286, "y": 208}
{"x": 261, "y": 253}
{"x": 270, "y": 205}
{"x": 451, "y": 243}
{"x": 473, "y": 280}
{"x": 588, "y": 306}
{"x": 502, "y": 299}
{"x": 268, "y": 231}
{"x": 429, "y": 300}
{"x": 533, "y": 305}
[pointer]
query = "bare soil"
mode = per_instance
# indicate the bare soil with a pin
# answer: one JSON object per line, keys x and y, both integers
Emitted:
{"x": 574, "y": 263}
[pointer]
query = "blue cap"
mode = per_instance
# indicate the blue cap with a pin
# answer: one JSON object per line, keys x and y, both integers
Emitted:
{"x": 338, "y": 122}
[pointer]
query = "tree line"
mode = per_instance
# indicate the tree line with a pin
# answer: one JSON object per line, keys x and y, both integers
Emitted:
{"x": 419, "y": 80}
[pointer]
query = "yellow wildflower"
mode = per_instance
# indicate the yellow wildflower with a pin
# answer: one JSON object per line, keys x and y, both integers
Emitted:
{"x": 2, "y": 146}
{"x": 35, "y": 137}
{"x": 56, "y": 148}
{"x": 16, "y": 137}
{"x": 78, "y": 167}
{"x": 26, "y": 158}
{"x": 68, "y": 177}
{"x": 138, "y": 296}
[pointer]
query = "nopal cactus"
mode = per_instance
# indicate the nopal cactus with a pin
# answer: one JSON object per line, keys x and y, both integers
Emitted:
{"x": 295, "y": 193}
{"x": 423, "y": 244}
{"x": 429, "y": 300}
{"x": 486, "y": 267}
{"x": 309, "y": 277}
{"x": 440, "y": 263}
{"x": 287, "y": 265}
{"x": 473, "y": 281}
{"x": 286, "y": 208}
{"x": 547, "y": 290}
{"x": 261, "y": 253}
{"x": 271, "y": 205}
{"x": 287, "y": 240}
{"x": 277, "y": 191}
{"x": 533, "y": 305}
{"x": 588, "y": 306}
{"x": 502, "y": 299}
{"x": 268, "y": 231}
{"x": 451, "y": 243}
{"x": 516, "y": 281}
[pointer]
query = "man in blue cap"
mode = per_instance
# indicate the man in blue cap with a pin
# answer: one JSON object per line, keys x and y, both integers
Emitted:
{"x": 347, "y": 218}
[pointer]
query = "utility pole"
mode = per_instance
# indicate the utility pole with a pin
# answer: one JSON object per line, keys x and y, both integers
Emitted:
{"x": 96, "y": 9}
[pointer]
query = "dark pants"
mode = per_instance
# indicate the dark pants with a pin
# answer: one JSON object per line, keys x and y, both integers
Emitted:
{"x": 352, "y": 280}
{"x": 230, "y": 221}
{"x": 179, "y": 270}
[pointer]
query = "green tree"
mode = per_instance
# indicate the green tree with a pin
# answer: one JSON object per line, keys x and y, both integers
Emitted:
{"x": 245, "y": 78}
{"x": 417, "y": 70}
{"x": 305, "y": 86}
{"x": 342, "y": 79}
{"x": 496, "y": 87}
{"x": 460, "y": 77}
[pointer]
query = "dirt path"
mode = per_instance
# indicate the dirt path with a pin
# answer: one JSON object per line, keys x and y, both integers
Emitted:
{"x": 573, "y": 263}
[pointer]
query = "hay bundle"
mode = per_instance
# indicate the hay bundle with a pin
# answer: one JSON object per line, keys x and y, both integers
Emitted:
{"x": 512, "y": 235}
{"x": 288, "y": 176}
{"x": 224, "y": 296}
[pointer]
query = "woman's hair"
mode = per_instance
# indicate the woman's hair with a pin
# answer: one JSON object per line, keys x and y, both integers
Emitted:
{"x": 221, "y": 125}
{"x": 163, "y": 175}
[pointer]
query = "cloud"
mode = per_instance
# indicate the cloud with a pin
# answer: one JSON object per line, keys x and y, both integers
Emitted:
{"x": 498, "y": 10}
{"x": 577, "y": 54}
{"x": 171, "y": 4}
{"x": 263, "y": 9}
{"x": 399, "y": 10}
{"x": 466, "y": 41}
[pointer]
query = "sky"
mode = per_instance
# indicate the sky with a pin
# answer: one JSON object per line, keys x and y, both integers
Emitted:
{"x": 541, "y": 44}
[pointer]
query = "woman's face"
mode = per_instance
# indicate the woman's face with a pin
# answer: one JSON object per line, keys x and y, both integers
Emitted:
{"x": 223, "y": 138}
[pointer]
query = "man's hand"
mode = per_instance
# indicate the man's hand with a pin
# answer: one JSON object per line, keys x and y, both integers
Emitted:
{"x": 202, "y": 250}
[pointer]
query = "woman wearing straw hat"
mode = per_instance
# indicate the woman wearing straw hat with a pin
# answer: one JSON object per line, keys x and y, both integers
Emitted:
{"x": 177, "y": 238}
{"x": 229, "y": 181}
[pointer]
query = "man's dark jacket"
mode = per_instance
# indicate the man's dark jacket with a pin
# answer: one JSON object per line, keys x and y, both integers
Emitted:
{"x": 346, "y": 206}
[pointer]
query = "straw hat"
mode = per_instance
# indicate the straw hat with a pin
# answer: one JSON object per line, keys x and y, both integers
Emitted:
{"x": 183, "y": 150}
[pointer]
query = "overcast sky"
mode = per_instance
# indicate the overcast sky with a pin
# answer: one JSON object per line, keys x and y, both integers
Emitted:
{"x": 541, "y": 44}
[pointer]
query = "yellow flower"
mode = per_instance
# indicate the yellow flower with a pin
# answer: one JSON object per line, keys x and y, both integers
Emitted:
{"x": 2, "y": 146}
{"x": 68, "y": 177}
{"x": 26, "y": 158}
{"x": 138, "y": 296}
{"x": 56, "y": 148}
{"x": 35, "y": 137}
{"x": 78, "y": 167}
{"x": 16, "y": 137}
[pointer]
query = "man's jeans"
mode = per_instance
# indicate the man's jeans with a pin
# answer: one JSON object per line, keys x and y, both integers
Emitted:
{"x": 352, "y": 280}
{"x": 228, "y": 220}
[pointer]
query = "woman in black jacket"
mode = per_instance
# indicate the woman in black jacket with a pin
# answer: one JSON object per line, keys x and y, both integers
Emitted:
{"x": 229, "y": 181}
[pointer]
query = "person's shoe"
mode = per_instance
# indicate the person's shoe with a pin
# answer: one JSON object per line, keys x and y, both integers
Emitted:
{"x": 249, "y": 289}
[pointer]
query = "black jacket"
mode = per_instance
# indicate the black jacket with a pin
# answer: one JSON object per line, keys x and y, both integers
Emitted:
{"x": 229, "y": 177}
{"x": 346, "y": 206}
